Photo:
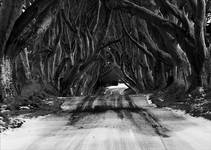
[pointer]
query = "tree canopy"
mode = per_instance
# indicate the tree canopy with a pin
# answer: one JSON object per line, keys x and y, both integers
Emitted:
{"x": 72, "y": 44}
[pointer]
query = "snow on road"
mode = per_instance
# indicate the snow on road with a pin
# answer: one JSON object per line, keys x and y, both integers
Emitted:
{"x": 116, "y": 127}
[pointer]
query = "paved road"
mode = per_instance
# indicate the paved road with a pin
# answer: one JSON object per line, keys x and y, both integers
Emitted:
{"x": 110, "y": 122}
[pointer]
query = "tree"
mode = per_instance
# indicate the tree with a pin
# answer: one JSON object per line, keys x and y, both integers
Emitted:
{"x": 69, "y": 43}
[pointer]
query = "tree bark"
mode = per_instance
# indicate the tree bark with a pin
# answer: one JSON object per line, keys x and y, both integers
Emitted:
{"x": 9, "y": 12}
{"x": 6, "y": 79}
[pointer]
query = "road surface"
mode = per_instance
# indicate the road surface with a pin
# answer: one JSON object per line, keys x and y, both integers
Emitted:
{"x": 110, "y": 122}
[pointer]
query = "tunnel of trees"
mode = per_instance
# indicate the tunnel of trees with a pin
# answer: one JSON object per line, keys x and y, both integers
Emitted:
{"x": 68, "y": 46}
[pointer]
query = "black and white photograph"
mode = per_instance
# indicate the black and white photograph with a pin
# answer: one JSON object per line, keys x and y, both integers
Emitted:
{"x": 105, "y": 74}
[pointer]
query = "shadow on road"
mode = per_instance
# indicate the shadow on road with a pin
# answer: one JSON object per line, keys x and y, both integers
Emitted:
{"x": 114, "y": 102}
{"x": 160, "y": 129}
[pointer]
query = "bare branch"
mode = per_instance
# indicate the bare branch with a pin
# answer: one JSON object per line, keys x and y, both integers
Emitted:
{"x": 69, "y": 24}
{"x": 109, "y": 43}
{"x": 142, "y": 48}
{"x": 98, "y": 16}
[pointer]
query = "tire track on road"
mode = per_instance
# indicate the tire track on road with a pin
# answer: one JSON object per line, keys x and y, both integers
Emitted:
{"x": 160, "y": 129}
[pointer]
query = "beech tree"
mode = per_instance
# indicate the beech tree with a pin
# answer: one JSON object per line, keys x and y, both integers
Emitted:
{"x": 71, "y": 44}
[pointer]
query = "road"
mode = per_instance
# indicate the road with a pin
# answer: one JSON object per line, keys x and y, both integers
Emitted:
{"x": 110, "y": 122}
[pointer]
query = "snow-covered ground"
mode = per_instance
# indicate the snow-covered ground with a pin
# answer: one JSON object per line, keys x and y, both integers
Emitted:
{"x": 117, "y": 129}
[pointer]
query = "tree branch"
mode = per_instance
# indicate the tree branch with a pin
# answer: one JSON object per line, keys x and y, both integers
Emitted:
{"x": 31, "y": 12}
{"x": 98, "y": 16}
{"x": 142, "y": 48}
{"x": 68, "y": 23}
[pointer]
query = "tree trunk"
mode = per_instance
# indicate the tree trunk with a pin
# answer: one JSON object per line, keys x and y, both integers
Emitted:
{"x": 9, "y": 11}
{"x": 25, "y": 61}
{"x": 6, "y": 79}
{"x": 196, "y": 76}
{"x": 159, "y": 76}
